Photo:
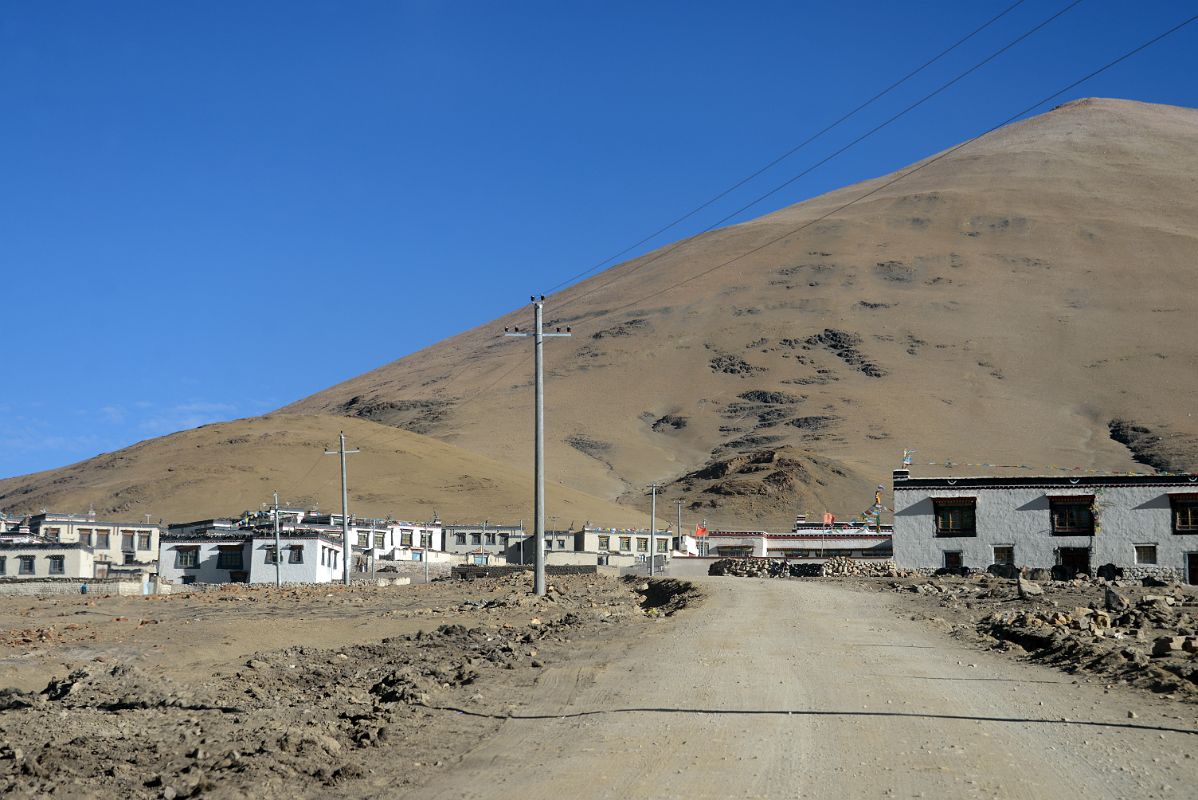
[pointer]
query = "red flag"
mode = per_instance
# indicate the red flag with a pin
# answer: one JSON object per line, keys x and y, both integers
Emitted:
{"x": 700, "y": 531}
{"x": 829, "y": 518}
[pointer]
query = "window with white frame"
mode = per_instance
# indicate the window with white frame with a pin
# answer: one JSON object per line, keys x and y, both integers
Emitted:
{"x": 1145, "y": 554}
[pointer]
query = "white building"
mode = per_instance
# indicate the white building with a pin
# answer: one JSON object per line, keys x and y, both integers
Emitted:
{"x": 124, "y": 546}
{"x": 309, "y": 556}
{"x": 808, "y": 540}
{"x": 1145, "y": 524}
{"x": 41, "y": 560}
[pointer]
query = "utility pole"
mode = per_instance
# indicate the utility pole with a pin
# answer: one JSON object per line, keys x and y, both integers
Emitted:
{"x": 278, "y": 548}
{"x": 346, "y": 546}
{"x": 678, "y": 503}
{"x": 538, "y": 335}
{"x": 653, "y": 487}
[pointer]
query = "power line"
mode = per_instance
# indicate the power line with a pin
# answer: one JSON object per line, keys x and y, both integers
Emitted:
{"x": 794, "y": 149}
{"x": 959, "y": 77}
{"x": 920, "y": 167}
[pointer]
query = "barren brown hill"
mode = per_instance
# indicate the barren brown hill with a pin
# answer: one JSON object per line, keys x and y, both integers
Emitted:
{"x": 230, "y": 467}
{"x": 1024, "y": 300}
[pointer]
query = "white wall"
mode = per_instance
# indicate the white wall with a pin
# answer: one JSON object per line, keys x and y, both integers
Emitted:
{"x": 1019, "y": 516}
{"x": 207, "y": 571}
{"x": 309, "y": 571}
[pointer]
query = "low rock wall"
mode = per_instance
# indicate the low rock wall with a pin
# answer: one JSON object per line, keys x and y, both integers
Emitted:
{"x": 60, "y": 586}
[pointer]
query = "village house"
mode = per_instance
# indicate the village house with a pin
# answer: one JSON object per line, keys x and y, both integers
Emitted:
{"x": 487, "y": 543}
{"x": 805, "y": 540}
{"x": 622, "y": 546}
{"x": 41, "y": 560}
{"x": 309, "y": 555}
{"x": 116, "y": 546}
{"x": 1144, "y": 524}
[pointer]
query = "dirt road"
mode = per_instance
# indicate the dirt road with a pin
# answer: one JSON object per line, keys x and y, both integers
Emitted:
{"x": 810, "y": 689}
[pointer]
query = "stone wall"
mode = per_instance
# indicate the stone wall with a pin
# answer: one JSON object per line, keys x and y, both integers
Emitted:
{"x": 51, "y": 586}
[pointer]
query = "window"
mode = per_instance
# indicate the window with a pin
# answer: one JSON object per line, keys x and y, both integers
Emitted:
{"x": 324, "y": 555}
{"x": 3, "y": 565}
{"x": 626, "y": 544}
{"x": 25, "y": 565}
{"x": 955, "y": 516}
{"x": 296, "y": 554}
{"x": 490, "y": 538}
{"x": 187, "y": 557}
{"x": 127, "y": 541}
{"x": 1004, "y": 554}
{"x": 952, "y": 559}
{"x": 459, "y": 538}
{"x": 363, "y": 539}
{"x": 405, "y": 538}
{"x": 476, "y": 538}
{"x": 85, "y": 536}
{"x": 229, "y": 558}
{"x": 548, "y": 544}
{"x": 604, "y": 542}
{"x": 380, "y": 540}
{"x": 426, "y": 538}
{"x": 333, "y": 558}
{"x": 642, "y": 544}
{"x": 53, "y": 533}
{"x": 57, "y": 565}
{"x": 1072, "y": 516}
{"x": 102, "y": 539}
{"x": 143, "y": 541}
{"x": 1185, "y": 513}
{"x": 186, "y": 579}
{"x": 561, "y": 544}
{"x": 663, "y": 545}
{"x": 269, "y": 554}
{"x": 1145, "y": 554}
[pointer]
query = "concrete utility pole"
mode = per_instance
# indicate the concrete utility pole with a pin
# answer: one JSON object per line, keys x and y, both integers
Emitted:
{"x": 278, "y": 548}
{"x": 653, "y": 487}
{"x": 346, "y": 546}
{"x": 678, "y": 503}
{"x": 538, "y": 336}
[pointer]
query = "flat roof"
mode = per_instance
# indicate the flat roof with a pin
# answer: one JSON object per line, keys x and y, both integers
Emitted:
{"x": 1045, "y": 482}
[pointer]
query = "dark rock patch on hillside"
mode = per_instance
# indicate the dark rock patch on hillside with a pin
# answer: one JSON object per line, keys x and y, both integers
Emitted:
{"x": 843, "y": 345}
{"x": 417, "y": 416}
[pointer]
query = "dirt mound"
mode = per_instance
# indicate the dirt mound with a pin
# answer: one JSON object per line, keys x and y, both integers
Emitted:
{"x": 358, "y": 720}
{"x": 1144, "y": 636}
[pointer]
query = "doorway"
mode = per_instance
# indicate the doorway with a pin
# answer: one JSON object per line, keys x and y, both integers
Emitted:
{"x": 1075, "y": 559}
{"x": 1192, "y": 568}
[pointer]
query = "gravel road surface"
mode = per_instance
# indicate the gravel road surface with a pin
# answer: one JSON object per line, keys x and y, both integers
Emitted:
{"x": 809, "y": 689}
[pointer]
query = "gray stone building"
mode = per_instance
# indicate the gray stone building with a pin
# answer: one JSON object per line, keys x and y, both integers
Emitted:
{"x": 1145, "y": 524}
{"x": 486, "y": 539}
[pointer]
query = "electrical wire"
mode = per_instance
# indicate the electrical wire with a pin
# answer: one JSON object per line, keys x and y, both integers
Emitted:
{"x": 794, "y": 149}
{"x": 920, "y": 167}
{"x": 944, "y": 86}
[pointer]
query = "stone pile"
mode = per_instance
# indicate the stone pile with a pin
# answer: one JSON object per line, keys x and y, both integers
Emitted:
{"x": 862, "y": 569}
{"x": 1143, "y": 635}
{"x": 775, "y": 568}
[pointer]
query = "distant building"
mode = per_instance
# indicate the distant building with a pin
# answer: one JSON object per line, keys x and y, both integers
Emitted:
{"x": 42, "y": 560}
{"x": 1145, "y": 524}
{"x": 248, "y": 556}
{"x": 806, "y": 540}
{"x": 116, "y": 546}
{"x": 622, "y": 546}
{"x": 484, "y": 538}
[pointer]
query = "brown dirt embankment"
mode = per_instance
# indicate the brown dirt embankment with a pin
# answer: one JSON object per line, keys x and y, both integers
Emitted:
{"x": 368, "y": 710}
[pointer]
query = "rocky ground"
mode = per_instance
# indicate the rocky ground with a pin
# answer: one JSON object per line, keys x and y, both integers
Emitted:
{"x": 121, "y": 717}
{"x": 1122, "y": 631}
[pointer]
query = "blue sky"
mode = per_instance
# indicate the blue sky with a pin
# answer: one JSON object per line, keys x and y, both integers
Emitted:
{"x": 208, "y": 210}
